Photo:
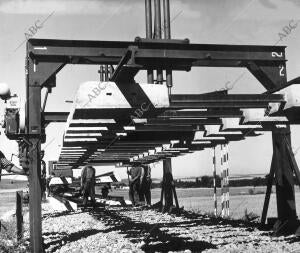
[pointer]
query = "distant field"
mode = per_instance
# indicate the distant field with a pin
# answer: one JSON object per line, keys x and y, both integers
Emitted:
{"x": 8, "y": 194}
{"x": 201, "y": 199}
{"x": 197, "y": 199}
{"x": 12, "y": 184}
{"x": 7, "y": 201}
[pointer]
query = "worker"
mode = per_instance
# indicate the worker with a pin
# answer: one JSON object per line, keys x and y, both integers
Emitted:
{"x": 146, "y": 184}
{"x": 88, "y": 185}
{"x": 134, "y": 184}
{"x": 52, "y": 175}
{"x": 9, "y": 166}
{"x": 105, "y": 190}
{"x": 43, "y": 175}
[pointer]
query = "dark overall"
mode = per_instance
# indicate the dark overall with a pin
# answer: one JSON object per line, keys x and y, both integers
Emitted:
{"x": 146, "y": 185}
{"x": 134, "y": 185}
{"x": 88, "y": 185}
{"x": 43, "y": 178}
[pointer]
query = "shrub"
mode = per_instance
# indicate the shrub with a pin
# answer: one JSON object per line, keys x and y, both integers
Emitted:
{"x": 251, "y": 191}
{"x": 8, "y": 239}
{"x": 250, "y": 217}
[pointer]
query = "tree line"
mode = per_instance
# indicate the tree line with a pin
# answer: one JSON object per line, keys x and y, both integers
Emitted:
{"x": 207, "y": 182}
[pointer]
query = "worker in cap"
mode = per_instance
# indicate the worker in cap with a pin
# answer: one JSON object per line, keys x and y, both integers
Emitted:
{"x": 146, "y": 184}
{"x": 88, "y": 185}
{"x": 105, "y": 190}
{"x": 135, "y": 173}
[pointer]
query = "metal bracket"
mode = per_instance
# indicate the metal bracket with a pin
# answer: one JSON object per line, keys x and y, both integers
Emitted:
{"x": 270, "y": 76}
{"x": 127, "y": 68}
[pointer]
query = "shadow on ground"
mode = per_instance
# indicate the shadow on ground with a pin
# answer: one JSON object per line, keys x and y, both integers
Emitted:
{"x": 158, "y": 237}
{"x": 153, "y": 236}
{"x": 58, "y": 238}
{"x": 58, "y": 214}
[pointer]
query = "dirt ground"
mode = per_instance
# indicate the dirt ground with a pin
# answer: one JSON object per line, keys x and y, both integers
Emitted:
{"x": 139, "y": 230}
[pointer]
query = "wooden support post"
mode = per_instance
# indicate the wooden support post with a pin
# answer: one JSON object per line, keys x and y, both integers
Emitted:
{"x": 167, "y": 183}
{"x": 175, "y": 195}
{"x": 284, "y": 177}
{"x": 215, "y": 183}
{"x": 287, "y": 222}
{"x": 19, "y": 214}
{"x": 292, "y": 159}
{"x": 162, "y": 195}
{"x": 268, "y": 192}
{"x": 33, "y": 131}
{"x": 222, "y": 183}
{"x": 226, "y": 157}
{"x": 35, "y": 199}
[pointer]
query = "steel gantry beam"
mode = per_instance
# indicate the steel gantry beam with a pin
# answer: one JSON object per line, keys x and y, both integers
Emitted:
{"x": 266, "y": 63}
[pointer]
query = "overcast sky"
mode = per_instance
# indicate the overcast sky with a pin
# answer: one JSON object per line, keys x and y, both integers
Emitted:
{"x": 206, "y": 21}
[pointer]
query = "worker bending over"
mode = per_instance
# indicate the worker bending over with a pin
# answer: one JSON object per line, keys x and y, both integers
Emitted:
{"x": 88, "y": 185}
{"x": 9, "y": 166}
{"x": 48, "y": 180}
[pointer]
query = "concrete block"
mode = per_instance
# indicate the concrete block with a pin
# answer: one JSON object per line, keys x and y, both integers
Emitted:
{"x": 94, "y": 94}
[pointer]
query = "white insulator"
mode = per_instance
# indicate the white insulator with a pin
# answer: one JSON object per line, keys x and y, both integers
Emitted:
{"x": 4, "y": 91}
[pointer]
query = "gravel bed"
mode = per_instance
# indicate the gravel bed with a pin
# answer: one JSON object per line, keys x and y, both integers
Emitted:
{"x": 136, "y": 230}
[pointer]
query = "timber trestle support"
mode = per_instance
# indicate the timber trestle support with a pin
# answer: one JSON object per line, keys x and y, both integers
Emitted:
{"x": 283, "y": 168}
